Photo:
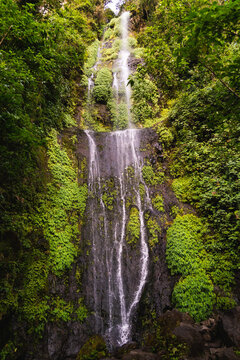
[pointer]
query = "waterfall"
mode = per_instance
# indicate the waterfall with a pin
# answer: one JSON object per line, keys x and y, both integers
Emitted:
{"x": 121, "y": 73}
{"x": 91, "y": 78}
{"x": 115, "y": 178}
{"x": 117, "y": 287}
{"x": 124, "y": 56}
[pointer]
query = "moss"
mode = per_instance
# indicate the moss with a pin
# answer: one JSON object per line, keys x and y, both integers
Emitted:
{"x": 138, "y": 53}
{"x": 83, "y": 170}
{"x": 130, "y": 171}
{"x": 142, "y": 191}
{"x": 62, "y": 310}
{"x": 153, "y": 229}
{"x": 133, "y": 227}
{"x": 81, "y": 311}
{"x": 150, "y": 176}
{"x": 175, "y": 210}
{"x": 158, "y": 203}
{"x": 108, "y": 200}
{"x": 94, "y": 349}
{"x": 109, "y": 194}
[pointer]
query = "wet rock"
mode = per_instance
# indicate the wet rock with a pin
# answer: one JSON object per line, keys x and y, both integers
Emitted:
{"x": 190, "y": 335}
{"x": 119, "y": 352}
{"x": 223, "y": 354}
{"x": 56, "y": 339}
{"x": 95, "y": 345}
{"x": 140, "y": 355}
{"x": 231, "y": 325}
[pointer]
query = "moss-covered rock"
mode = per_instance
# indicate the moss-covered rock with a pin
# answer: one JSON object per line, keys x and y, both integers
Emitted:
{"x": 94, "y": 349}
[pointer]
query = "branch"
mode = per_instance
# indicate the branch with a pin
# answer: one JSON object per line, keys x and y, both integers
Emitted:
{"x": 221, "y": 81}
{"x": 6, "y": 33}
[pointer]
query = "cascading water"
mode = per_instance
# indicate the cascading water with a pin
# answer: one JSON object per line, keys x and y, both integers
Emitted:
{"x": 124, "y": 56}
{"x": 91, "y": 78}
{"x": 114, "y": 178}
{"x": 117, "y": 287}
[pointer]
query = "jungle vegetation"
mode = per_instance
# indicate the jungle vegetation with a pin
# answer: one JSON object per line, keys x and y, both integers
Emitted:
{"x": 188, "y": 89}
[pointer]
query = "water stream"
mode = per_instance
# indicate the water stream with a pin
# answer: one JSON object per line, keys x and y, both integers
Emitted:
{"x": 118, "y": 271}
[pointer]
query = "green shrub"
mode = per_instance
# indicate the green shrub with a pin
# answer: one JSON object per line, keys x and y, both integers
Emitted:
{"x": 111, "y": 53}
{"x": 92, "y": 52}
{"x": 183, "y": 189}
{"x": 145, "y": 99}
{"x": 102, "y": 90}
{"x": 184, "y": 244}
{"x": 195, "y": 295}
{"x": 113, "y": 29}
{"x": 165, "y": 135}
{"x": 150, "y": 176}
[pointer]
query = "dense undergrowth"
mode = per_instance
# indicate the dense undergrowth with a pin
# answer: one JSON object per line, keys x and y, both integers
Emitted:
{"x": 187, "y": 90}
{"x": 43, "y": 51}
{"x": 198, "y": 127}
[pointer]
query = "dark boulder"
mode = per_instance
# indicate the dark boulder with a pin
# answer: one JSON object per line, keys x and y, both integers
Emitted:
{"x": 223, "y": 354}
{"x": 140, "y": 355}
{"x": 190, "y": 335}
{"x": 231, "y": 325}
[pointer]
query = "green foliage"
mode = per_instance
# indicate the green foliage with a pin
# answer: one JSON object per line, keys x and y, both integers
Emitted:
{"x": 182, "y": 188}
{"x": 103, "y": 86}
{"x": 92, "y": 52}
{"x": 113, "y": 29}
{"x": 119, "y": 114}
{"x": 186, "y": 256}
{"x": 194, "y": 295}
{"x": 206, "y": 152}
{"x": 150, "y": 176}
{"x": 133, "y": 227}
{"x": 34, "y": 301}
{"x": 81, "y": 312}
{"x": 184, "y": 244}
{"x": 165, "y": 134}
{"x": 158, "y": 203}
{"x": 60, "y": 212}
{"x": 62, "y": 310}
{"x": 145, "y": 99}
{"x": 142, "y": 191}
{"x": 94, "y": 349}
{"x": 111, "y": 53}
